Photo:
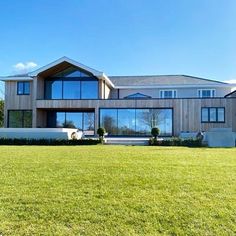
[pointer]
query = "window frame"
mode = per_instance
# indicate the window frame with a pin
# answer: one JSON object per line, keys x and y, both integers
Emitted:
{"x": 22, "y": 117}
{"x": 212, "y": 93}
{"x": 83, "y": 78}
{"x": 138, "y": 108}
{"x": 209, "y": 116}
{"x": 65, "y": 120}
{"x": 162, "y": 92}
{"x": 18, "y": 86}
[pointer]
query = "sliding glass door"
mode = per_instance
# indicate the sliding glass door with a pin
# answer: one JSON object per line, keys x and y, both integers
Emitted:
{"x": 83, "y": 121}
{"x": 136, "y": 122}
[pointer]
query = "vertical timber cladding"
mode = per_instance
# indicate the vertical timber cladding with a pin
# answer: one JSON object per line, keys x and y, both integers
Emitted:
{"x": 14, "y": 101}
{"x": 186, "y": 112}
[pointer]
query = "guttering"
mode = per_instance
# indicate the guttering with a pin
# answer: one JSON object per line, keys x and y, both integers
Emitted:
{"x": 15, "y": 78}
{"x": 174, "y": 86}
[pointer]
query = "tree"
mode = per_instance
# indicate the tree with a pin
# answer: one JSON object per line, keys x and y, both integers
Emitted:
{"x": 1, "y": 113}
{"x": 69, "y": 124}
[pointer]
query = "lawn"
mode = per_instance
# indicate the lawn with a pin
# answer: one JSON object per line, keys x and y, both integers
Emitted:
{"x": 117, "y": 190}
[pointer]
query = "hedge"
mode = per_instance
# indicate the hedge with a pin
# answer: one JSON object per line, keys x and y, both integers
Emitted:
{"x": 49, "y": 142}
{"x": 194, "y": 142}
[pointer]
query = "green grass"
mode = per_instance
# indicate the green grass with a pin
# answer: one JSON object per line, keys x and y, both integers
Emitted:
{"x": 117, "y": 190}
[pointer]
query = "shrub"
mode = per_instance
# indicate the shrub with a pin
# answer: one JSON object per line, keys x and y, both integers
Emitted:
{"x": 101, "y": 132}
{"x": 176, "y": 142}
{"x": 155, "y": 132}
{"x": 49, "y": 142}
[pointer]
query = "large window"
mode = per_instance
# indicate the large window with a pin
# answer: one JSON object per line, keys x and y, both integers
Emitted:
{"x": 71, "y": 84}
{"x": 79, "y": 120}
{"x": 23, "y": 88}
{"x": 20, "y": 119}
{"x": 213, "y": 115}
{"x": 136, "y": 122}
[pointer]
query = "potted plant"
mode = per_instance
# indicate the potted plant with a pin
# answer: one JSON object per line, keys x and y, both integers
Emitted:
{"x": 101, "y": 132}
{"x": 155, "y": 132}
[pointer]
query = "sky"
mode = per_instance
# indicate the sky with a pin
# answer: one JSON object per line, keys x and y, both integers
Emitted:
{"x": 121, "y": 37}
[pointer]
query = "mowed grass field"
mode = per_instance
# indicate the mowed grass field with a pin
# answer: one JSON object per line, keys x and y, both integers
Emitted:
{"x": 117, "y": 190}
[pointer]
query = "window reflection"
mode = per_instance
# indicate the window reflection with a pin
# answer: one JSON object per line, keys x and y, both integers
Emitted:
{"x": 221, "y": 114}
{"x": 204, "y": 114}
{"x": 89, "y": 89}
{"x": 136, "y": 121}
{"x": 20, "y": 119}
{"x": 88, "y": 123}
{"x": 143, "y": 121}
{"x": 53, "y": 89}
{"x": 71, "y": 89}
{"x": 74, "y": 120}
{"x": 108, "y": 120}
{"x": 78, "y": 120}
{"x": 213, "y": 114}
{"x": 60, "y": 119}
{"x": 126, "y": 121}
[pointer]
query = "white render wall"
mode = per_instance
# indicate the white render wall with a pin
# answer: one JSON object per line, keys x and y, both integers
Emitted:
{"x": 37, "y": 133}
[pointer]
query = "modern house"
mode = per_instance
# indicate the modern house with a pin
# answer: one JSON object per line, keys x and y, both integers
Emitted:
{"x": 68, "y": 94}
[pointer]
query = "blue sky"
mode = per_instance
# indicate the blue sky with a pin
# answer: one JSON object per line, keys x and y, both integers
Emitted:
{"x": 122, "y": 37}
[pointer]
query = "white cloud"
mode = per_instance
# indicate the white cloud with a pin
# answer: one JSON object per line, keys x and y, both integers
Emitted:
{"x": 231, "y": 81}
{"x": 24, "y": 67}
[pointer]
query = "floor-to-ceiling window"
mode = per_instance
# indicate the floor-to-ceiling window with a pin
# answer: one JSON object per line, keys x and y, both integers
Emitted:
{"x": 71, "y": 84}
{"x": 137, "y": 122}
{"x": 80, "y": 120}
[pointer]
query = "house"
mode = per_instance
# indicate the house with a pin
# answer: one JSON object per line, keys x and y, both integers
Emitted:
{"x": 68, "y": 94}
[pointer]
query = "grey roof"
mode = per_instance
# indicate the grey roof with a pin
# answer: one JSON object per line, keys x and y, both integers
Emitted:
{"x": 160, "y": 80}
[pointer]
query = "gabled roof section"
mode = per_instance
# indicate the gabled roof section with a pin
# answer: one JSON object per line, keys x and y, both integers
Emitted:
{"x": 162, "y": 80}
{"x": 57, "y": 66}
{"x": 63, "y": 60}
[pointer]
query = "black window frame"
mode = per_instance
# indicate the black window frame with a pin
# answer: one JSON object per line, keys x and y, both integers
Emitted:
{"x": 136, "y": 108}
{"x": 208, "y": 114}
{"x": 22, "y": 118}
{"x": 49, "y": 114}
{"x": 80, "y": 79}
{"x": 24, "y": 92}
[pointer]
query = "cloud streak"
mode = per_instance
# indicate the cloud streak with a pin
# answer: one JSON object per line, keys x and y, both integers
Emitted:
{"x": 231, "y": 81}
{"x": 24, "y": 67}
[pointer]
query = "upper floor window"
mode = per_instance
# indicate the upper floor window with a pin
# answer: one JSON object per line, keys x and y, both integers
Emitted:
{"x": 23, "y": 88}
{"x": 213, "y": 115}
{"x": 206, "y": 93}
{"x": 168, "y": 94}
{"x": 71, "y": 84}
